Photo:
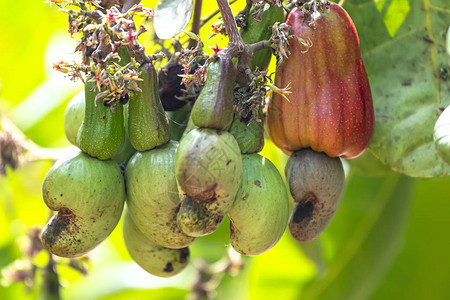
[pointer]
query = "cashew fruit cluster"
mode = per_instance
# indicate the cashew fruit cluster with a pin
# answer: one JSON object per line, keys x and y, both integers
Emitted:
{"x": 177, "y": 192}
{"x": 329, "y": 113}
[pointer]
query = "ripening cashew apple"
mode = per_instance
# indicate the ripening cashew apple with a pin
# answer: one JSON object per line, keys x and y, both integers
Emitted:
{"x": 442, "y": 135}
{"x": 330, "y": 108}
{"x": 260, "y": 212}
{"x": 316, "y": 182}
{"x": 208, "y": 168}
{"x": 88, "y": 195}
{"x": 152, "y": 196}
{"x": 155, "y": 259}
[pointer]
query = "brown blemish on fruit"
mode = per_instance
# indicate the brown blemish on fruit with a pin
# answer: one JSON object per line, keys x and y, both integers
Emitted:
{"x": 218, "y": 219}
{"x": 258, "y": 183}
{"x": 168, "y": 268}
{"x": 303, "y": 213}
{"x": 59, "y": 224}
{"x": 184, "y": 255}
{"x": 209, "y": 195}
{"x": 304, "y": 209}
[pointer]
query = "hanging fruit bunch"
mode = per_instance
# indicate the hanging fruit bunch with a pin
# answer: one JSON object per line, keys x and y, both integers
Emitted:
{"x": 178, "y": 191}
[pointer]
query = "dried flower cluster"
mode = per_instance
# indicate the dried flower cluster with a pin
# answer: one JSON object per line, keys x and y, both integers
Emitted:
{"x": 102, "y": 34}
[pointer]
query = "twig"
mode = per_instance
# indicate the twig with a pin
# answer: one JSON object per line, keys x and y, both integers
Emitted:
{"x": 209, "y": 276}
{"x": 236, "y": 45}
{"x": 17, "y": 150}
{"x": 50, "y": 285}
{"x": 129, "y": 4}
{"x": 196, "y": 22}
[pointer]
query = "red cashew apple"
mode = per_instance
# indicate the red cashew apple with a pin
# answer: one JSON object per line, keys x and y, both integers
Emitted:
{"x": 330, "y": 108}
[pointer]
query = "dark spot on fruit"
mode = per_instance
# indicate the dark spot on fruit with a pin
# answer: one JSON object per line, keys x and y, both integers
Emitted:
{"x": 218, "y": 219}
{"x": 258, "y": 183}
{"x": 100, "y": 212}
{"x": 228, "y": 162}
{"x": 104, "y": 117}
{"x": 219, "y": 132}
{"x": 207, "y": 196}
{"x": 211, "y": 200}
{"x": 303, "y": 212}
{"x": 61, "y": 195}
{"x": 168, "y": 268}
{"x": 184, "y": 255}
{"x": 177, "y": 208}
{"x": 57, "y": 225}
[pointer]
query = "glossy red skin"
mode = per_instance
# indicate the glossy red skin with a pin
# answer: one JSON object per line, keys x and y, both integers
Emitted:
{"x": 330, "y": 108}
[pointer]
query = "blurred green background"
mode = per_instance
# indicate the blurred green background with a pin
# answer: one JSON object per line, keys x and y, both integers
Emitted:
{"x": 388, "y": 240}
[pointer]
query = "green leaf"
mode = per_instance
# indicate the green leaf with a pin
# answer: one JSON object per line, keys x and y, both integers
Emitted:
{"x": 367, "y": 250}
{"x": 409, "y": 78}
{"x": 368, "y": 165}
{"x": 171, "y": 17}
{"x": 421, "y": 271}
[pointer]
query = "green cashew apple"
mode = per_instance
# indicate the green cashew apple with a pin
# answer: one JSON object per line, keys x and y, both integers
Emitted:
{"x": 73, "y": 117}
{"x": 155, "y": 259}
{"x": 316, "y": 182}
{"x": 148, "y": 126}
{"x": 214, "y": 106}
{"x": 199, "y": 218}
{"x": 250, "y": 138}
{"x": 88, "y": 195}
{"x": 208, "y": 168}
{"x": 74, "y": 113}
{"x": 260, "y": 212}
{"x": 127, "y": 150}
{"x": 152, "y": 196}
{"x": 102, "y": 132}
